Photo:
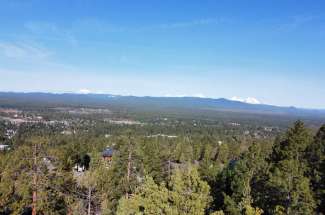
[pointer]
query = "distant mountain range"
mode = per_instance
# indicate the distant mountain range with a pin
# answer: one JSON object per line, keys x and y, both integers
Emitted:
{"x": 9, "y": 99}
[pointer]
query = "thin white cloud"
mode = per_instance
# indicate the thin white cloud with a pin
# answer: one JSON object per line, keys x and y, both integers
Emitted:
{"x": 103, "y": 26}
{"x": 23, "y": 50}
{"x": 197, "y": 22}
{"x": 50, "y": 31}
{"x": 98, "y": 25}
{"x": 42, "y": 30}
{"x": 32, "y": 57}
{"x": 295, "y": 22}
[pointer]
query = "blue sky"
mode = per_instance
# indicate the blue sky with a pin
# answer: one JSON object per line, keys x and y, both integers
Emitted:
{"x": 272, "y": 50}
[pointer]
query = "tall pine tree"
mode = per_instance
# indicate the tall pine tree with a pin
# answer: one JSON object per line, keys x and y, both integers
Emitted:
{"x": 288, "y": 186}
{"x": 316, "y": 167}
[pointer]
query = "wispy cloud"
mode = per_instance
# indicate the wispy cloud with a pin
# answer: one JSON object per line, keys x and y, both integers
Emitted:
{"x": 50, "y": 31}
{"x": 192, "y": 23}
{"x": 31, "y": 57}
{"x": 98, "y": 25}
{"x": 296, "y": 22}
{"x": 21, "y": 50}
{"x": 106, "y": 27}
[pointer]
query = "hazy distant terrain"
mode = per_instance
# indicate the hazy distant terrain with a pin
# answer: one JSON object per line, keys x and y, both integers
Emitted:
{"x": 188, "y": 107}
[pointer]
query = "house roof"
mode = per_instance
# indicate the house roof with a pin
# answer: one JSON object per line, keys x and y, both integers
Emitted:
{"x": 108, "y": 152}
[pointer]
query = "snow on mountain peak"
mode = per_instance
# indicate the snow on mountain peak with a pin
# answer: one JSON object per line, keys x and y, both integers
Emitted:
{"x": 249, "y": 100}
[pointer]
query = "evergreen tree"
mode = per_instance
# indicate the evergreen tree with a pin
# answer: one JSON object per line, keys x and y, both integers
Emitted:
{"x": 123, "y": 173}
{"x": 190, "y": 195}
{"x": 154, "y": 160}
{"x": 241, "y": 182}
{"x": 289, "y": 187}
{"x": 26, "y": 172}
{"x": 316, "y": 171}
{"x": 187, "y": 194}
{"x": 149, "y": 198}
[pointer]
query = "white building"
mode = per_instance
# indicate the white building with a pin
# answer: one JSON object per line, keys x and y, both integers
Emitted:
{"x": 4, "y": 147}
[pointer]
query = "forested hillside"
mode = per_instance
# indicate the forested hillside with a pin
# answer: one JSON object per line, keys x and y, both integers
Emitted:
{"x": 161, "y": 169}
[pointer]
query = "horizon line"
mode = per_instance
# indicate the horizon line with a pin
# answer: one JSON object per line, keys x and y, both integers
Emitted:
{"x": 166, "y": 96}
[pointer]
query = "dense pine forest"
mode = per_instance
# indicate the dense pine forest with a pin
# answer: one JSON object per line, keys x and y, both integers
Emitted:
{"x": 79, "y": 162}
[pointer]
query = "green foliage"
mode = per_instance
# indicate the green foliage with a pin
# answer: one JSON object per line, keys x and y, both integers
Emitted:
{"x": 154, "y": 159}
{"x": 16, "y": 185}
{"x": 217, "y": 213}
{"x": 249, "y": 210}
{"x": 190, "y": 195}
{"x": 316, "y": 167}
{"x": 117, "y": 184}
{"x": 187, "y": 194}
{"x": 243, "y": 174}
{"x": 149, "y": 198}
{"x": 209, "y": 167}
{"x": 290, "y": 188}
{"x": 241, "y": 181}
